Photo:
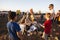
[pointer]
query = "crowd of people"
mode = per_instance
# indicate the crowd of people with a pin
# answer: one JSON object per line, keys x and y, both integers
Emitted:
{"x": 29, "y": 26}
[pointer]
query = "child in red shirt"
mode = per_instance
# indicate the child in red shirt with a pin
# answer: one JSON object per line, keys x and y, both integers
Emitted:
{"x": 47, "y": 26}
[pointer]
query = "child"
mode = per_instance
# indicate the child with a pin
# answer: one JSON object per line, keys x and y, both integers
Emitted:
{"x": 22, "y": 24}
{"x": 47, "y": 26}
{"x": 58, "y": 17}
{"x": 13, "y": 28}
{"x": 52, "y": 11}
{"x": 58, "y": 13}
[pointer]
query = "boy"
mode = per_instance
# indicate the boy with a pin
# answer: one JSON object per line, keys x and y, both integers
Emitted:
{"x": 47, "y": 26}
{"x": 13, "y": 27}
{"x": 52, "y": 11}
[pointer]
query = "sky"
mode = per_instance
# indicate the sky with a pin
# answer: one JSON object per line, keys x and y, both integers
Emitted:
{"x": 26, "y": 5}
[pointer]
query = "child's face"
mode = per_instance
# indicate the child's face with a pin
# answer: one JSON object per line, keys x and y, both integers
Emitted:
{"x": 50, "y": 7}
{"x": 46, "y": 17}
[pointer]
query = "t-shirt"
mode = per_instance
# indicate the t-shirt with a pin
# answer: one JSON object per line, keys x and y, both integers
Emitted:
{"x": 13, "y": 28}
{"x": 32, "y": 28}
{"x": 52, "y": 11}
{"x": 32, "y": 17}
{"x": 22, "y": 26}
{"x": 48, "y": 27}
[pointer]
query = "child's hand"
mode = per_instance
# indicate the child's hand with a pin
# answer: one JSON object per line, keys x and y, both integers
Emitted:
{"x": 42, "y": 26}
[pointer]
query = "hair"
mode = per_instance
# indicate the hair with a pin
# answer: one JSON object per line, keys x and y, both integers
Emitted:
{"x": 51, "y": 5}
{"x": 12, "y": 15}
{"x": 59, "y": 10}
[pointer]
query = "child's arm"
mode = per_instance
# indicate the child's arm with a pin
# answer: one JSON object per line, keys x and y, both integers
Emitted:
{"x": 20, "y": 21}
{"x": 42, "y": 25}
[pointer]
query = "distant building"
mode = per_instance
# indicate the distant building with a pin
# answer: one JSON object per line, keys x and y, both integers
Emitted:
{"x": 3, "y": 12}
